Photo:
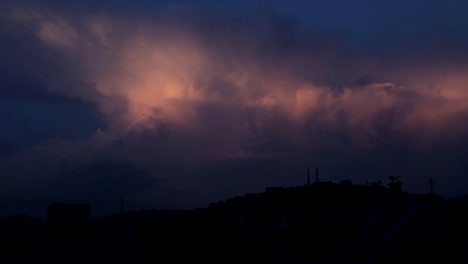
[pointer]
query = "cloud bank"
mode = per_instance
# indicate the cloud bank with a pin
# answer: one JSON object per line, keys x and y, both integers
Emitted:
{"x": 199, "y": 104}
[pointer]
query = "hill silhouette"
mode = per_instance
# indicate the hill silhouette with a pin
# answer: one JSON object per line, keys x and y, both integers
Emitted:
{"x": 319, "y": 223}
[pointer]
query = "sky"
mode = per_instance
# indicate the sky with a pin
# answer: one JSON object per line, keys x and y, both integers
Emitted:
{"x": 177, "y": 104}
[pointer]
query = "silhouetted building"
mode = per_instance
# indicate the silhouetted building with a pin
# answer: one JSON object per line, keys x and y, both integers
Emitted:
{"x": 395, "y": 185}
{"x": 68, "y": 234}
{"x": 274, "y": 189}
{"x": 63, "y": 213}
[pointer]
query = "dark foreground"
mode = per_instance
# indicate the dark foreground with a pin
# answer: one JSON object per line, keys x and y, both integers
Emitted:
{"x": 320, "y": 223}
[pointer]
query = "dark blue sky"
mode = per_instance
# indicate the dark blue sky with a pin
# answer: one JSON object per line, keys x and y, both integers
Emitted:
{"x": 175, "y": 104}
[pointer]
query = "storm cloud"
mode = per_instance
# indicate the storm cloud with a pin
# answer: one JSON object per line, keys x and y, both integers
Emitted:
{"x": 184, "y": 103}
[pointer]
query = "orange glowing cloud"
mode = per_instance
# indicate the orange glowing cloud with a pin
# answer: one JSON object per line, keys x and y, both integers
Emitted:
{"x": 167, "y": 71}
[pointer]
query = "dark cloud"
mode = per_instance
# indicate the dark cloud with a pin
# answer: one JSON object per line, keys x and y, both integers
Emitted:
{"x": 30, "y": 115}
{"x": 102, "y": 183}
{"x": 180, "y": 103}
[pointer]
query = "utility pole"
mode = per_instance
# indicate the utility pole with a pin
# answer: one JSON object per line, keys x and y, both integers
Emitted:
{"x": 308, "y": 177}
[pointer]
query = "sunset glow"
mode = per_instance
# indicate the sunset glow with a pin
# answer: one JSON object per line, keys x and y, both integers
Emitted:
{"x": 189, "y": 87}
